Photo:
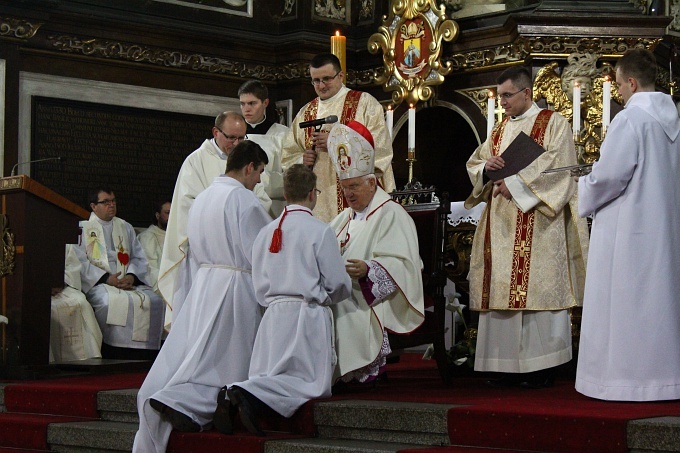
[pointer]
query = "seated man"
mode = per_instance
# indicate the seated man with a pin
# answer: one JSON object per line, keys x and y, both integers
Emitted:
{"x": 113, "y": 277}
{"x": 379, "y": 243}
{"x": 297, "y": 273}
{"x": 152, "y": 242}
{"x": 212, "y": 338}
{"x": 74, "y": 333}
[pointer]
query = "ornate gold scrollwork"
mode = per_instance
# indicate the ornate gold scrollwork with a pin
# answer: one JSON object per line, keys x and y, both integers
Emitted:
{"x": 8, "y": 250}
{"x": 557, "y": 91}
{"x": 411, "y": 41}
{"x": 17, "y": 28}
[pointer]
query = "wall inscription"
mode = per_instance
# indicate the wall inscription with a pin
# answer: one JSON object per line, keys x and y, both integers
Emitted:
{"x": 136, "y": 152}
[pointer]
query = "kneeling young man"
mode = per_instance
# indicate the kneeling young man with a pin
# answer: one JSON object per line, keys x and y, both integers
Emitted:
{"x": 297, "y": 273}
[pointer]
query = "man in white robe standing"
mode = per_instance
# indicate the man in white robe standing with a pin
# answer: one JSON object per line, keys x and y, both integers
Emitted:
{"x": 113, "y": 277}
{"x": 211, "y": 343}
{"x": 379, "y": 243}
{"x": 630, "y": 329}
{"x": 74, "y": 332}
{"x": 266, "y": 132}
{"x": 198, "y": 171}
{"x": 309, "y": 146}
{"x": 152, "y": 240}
{"x": 298, "y": 273}
{"x": 527, "y": 266}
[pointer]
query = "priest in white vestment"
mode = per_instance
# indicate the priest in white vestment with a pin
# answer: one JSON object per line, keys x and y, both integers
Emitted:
{"x": 266, "y": 132}
{"x": 211, "y": 342}
{"x": 309, "y": 147}
{"x": 113, "y": 278}
{"x": 379, "y": 243}
{"x": 74, "y": 332}
{"x": 152, "y": 240}
{"x": 630, "y": 330}
{"x": 297, "y": 273}
{"x": 527, "y": 266}
{"x": 198, "y": 171}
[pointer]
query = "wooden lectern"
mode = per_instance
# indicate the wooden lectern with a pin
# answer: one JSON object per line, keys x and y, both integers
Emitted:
{"x": 36, "y": 225}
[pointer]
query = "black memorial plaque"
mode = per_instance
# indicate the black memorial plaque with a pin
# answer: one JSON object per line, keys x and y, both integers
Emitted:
{"x": 136, "y": 152}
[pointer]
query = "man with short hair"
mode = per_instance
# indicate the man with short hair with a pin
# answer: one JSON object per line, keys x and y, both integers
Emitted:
{"x": 379, "y": 243}
{"x": 266, "y": 132}
{"x": 297, "y": 273}
{"x": 309, "y": 147}
{"x": 152, "y": 241}
{"x": 527, "y": 266}
{"x": 129, "y": 313}
{"x": 212, "y": 338}
{"x": 630, "y": 329}
{"x": 198, "y": 171}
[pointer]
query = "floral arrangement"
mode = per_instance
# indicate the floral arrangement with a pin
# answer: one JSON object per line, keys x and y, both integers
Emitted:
{"x": 462, "y": 352}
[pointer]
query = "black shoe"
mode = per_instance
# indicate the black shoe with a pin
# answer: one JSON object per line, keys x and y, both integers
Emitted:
{"x": 224, "y": 413}
{"x": 178, "y": 420}
{"x": 508, "y": 380}
{"x": 539, "y": 379}
{"x": 247, "y": 410}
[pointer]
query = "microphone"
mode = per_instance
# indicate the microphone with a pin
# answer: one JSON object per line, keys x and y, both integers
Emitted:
{"x": 60, "y": 159}
{"x": 319, "y": 122}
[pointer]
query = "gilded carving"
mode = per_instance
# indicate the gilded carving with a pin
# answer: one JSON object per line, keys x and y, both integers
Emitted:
{"x": 175, "y": 59}
{"x": 7, "y": 249}
{"x": 557, "y": 91}
{"x": 411, "y": 42}
{"x": 17, "y": 28}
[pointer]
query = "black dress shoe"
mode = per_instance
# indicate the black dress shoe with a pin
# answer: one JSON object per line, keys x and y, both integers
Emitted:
{"x": 539, "y": 379}
{"x": 508, "y": 380}
{"x": 247, "y": 409}
{"x": 224, "y": 413}
{"x": 178, "y": 420}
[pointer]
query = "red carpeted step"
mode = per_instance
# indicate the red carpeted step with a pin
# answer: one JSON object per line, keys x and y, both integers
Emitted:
{"x": 76, "y": 396}
{"x": 556, "y": 419}
{"x": 28, "y": 431}
{"x": 241, "y": 442}
{"x": 21, "y": 450}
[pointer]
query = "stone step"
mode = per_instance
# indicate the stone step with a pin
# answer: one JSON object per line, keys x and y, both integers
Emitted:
{"x": 383, "y": 421}
{"x": 118, "y": 405}
{"x": 323, "y": 445}
{"x": 658, "y": 435}
{"x": 91, "y": 437}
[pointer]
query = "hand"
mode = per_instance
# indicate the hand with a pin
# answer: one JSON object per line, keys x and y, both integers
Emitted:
{"x": 356, "y": 269}
{"x": 501, "y": 189}
{"x": 126, "y": 282}
{"x": 309, "y": 158}
{"x": 320, "y": 141}
{"x": 113, "y": 279}
{"x": 494, "y": 163}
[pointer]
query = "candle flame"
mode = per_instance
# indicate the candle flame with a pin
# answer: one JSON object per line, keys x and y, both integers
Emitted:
{"x": 337, "y": 33}
{"x": 491, "y": 94}
{"x": 607, "y": 79}
{"x": 389, "y": 107}
{"x": 410, "y": 106}
{"x": 577, "y": 84}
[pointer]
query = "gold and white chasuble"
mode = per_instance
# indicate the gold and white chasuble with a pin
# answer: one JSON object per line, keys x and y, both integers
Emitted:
{"x": 388, "y": 236}
{"x": 348, "y": 105}
{"x": 96, "y": 250}
{"x": 532, "y": 260}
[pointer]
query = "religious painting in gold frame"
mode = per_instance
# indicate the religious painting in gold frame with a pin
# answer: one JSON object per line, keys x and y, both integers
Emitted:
{"x": 411, "y": 41}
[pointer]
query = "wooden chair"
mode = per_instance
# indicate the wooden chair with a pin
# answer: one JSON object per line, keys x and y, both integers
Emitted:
{"x": 429, "y": 216}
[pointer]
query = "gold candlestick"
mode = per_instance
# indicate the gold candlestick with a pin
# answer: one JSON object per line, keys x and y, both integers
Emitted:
{"x": 410, "y": 158}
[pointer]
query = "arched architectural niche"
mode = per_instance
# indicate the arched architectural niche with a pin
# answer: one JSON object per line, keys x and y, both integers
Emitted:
{"x": 447, "y": 133}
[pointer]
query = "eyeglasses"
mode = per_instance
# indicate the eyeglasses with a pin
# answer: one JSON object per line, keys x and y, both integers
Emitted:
{"x": 318, "y": 192}
{"x": 107, "y": 202}
{"x": 507, "y": 96}
{"x": 232, "y": 138}
{"x": 324, "y": 80}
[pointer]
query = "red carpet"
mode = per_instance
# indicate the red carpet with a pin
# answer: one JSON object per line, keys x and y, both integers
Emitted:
{"x": 557, "y": 419}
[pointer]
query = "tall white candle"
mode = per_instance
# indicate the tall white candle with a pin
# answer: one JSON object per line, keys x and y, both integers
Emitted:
{"x": 577, "y": 108}
{"x": 490, "y": 114}
{"x": 606, "y": 102}
{"x": 389, "y": 119}
{"x": 411, "y": 127}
